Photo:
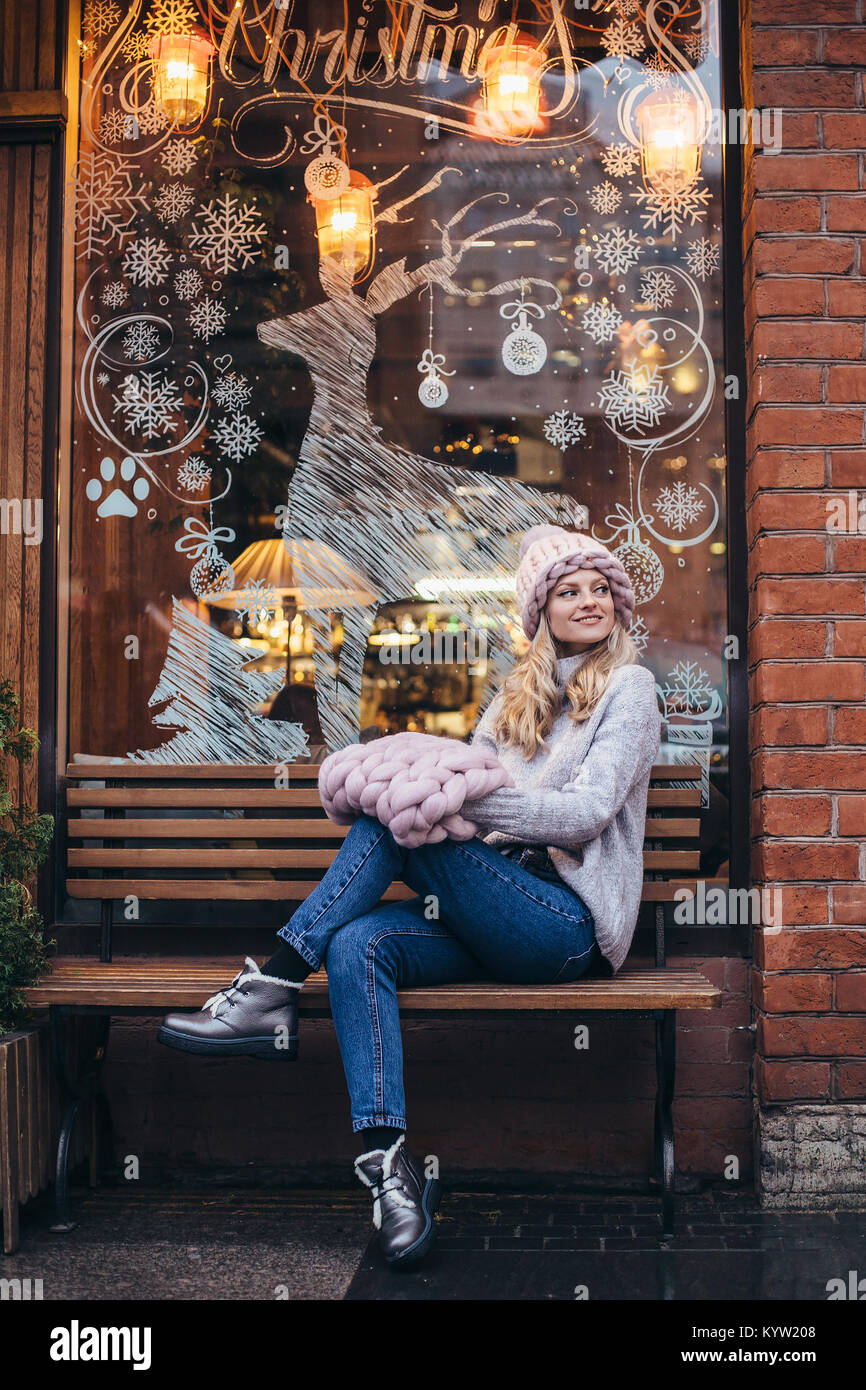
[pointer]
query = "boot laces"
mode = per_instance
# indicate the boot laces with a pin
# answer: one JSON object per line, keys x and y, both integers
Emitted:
{"x": 221, "y": 997}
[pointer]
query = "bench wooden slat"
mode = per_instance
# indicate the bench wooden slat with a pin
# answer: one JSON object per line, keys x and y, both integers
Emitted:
{"x": 654, "y": 860}
{"x": 266, "y": 771}
{"x": 276, "y": 890}
{"x": 186, "y": 984}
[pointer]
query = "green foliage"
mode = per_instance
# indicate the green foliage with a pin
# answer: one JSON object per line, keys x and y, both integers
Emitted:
{"x": 25, "y": 839}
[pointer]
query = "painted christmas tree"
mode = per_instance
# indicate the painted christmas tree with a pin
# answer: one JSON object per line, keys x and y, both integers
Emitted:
{"x": 213, "y": 702}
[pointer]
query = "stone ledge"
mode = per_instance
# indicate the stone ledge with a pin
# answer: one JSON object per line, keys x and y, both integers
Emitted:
{"x": 812, "y": 1157}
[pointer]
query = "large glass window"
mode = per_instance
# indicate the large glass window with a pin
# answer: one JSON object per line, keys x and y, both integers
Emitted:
{"x": 363, "y": 291}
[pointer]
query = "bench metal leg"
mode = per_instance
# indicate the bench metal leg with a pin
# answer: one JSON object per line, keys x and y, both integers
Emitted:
{"x": 77, "y": 1087}
{"x": 664, "y": 1119}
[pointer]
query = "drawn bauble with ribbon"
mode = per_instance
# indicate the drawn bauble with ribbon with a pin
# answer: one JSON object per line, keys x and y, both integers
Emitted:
{"x": 689, "y": 704}
{"x": 212, "y": 576}
{"x": 433, "y": 391}
{"x": 639, "y": 560}
{"x": 524, "y": 351}
{"x": 327, "y": 176}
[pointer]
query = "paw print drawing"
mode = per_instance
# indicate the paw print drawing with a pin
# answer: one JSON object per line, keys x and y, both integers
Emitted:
{"x": 117, "y": 502}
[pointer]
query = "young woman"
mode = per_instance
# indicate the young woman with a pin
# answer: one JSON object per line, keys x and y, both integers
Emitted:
{"x": 550, "y": 889}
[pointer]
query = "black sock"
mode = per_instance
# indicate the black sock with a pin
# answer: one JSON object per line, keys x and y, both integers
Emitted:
{"x": 382, "y": 1137}
{"x": 286, "y": 964}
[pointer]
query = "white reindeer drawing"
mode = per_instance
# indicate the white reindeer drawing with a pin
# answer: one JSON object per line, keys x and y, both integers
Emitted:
{"x": 375, "y": 504}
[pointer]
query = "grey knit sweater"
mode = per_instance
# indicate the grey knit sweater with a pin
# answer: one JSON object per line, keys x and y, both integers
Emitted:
{"x": 585, "y": 799}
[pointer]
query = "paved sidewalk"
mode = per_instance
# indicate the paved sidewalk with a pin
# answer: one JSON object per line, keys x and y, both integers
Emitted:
{"x": 263, "y": 1244}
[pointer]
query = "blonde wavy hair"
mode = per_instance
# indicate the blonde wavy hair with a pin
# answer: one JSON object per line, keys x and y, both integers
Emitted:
{"x": 530, "y": 701}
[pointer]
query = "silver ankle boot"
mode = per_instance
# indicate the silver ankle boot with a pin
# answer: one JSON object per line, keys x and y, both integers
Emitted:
{"x": 255, "y": 1016}
{"x": 405, "y": 1202}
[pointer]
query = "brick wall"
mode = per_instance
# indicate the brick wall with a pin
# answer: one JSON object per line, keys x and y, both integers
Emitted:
{"x": 804, "y": 244}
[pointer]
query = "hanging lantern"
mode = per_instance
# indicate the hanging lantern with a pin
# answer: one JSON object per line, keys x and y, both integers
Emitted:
{"x": 511, "y": 72}
{"x": 181, "y": 73}
{"x": 345, "y": 225}
{"x": 670, "y": 142}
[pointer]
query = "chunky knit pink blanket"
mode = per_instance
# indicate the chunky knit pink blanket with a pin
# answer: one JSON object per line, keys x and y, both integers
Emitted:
{"x": 415, "y": 784}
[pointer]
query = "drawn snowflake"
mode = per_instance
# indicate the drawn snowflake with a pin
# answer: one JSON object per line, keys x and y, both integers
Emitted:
{"x": 617, "y": 250}
{"x": 696, "y": 46}
{"x": 103, "y": 378}
{"x": 237, "y": 435}
{"x": 258, "y": 601}
{"x": 226, "y": 231}
{"x": 562, "y": 428}
{"x": 626, "y": 7}
{"x": 687, "y": 689}
{"x": 140, "y": 341}
{"x": 639, "y": 633}
{"x": 679, "y": 505}
{"x": 634, "y": 398}
{"x": 173, "y": 202}
{"x": 194, "y": 475}
{"x": 179, "y": 156}
{"x": 657, "y": 74}
{"x": 207, "y": 319}
{"x": 620, "y": 160}
{"x": 148, "y": 403}
{"x": 667, "y": 206}
{"x": 115, "y": 294}
{"x": 134, "y": 46}
{"x": 147, "y": 261}
{"x": 170, "y": 17}
{"x": 622, "y": 39}
{"x": 601, "y": 322}
{"x": 100, "y": 16}
{"x": 605, "y": 198}
{"x": 187, "y": 284}
{"x": 106, "y": 201}
{"x": 232, "y": 391}
{"x": 702, "y": 257}
{"x": 657, "y": 289}
{"x": 114, "y": 126}
{"x": 151, "y": 118}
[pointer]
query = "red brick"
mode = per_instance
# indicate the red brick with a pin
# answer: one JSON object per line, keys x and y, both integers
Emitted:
{"x": 847, "y": 383}
{"x": 851, "y": 992}
{"x": 844, "y": 131}
{"x": 784, "y": 468}
{"x": 789, "y": 383}
{"x": 803, "y": 12}
{"x": 781, "y": 48}
{"x": 781, "y": 554}
{"x": 788, "y": 726}
{"x": 775, "y": 682}
{"x": 775, "y": 214}
{"x": 848, "y": 467}
{"x": 787, "y": 511}
{"x": 781, "y": 994}
{"x": 811, "y": 91}
{"x": 807, "y": 950}
{"x": 852, "y": 815}
{"x": 845, "y": 48}
{"x": 849, "y": 639}
{"x": 848, "y": 554}
{"x": 808, "y": 255}
{"x": 821, "y": 769}
{"x": 850, "y": 1080}
{"x": 793, "y": 341}
{"x": 777, "y": 1081}
{"x": 777, "y": 295}
{"x": 812, "y": 861}
{"x": 848, "y": 906}
{"x": 846, "y": 215}
{"x": 791, "y": 815}
{"x": 774, "y": 425}
{"x": 850, "y": 726}
{"x": 847, "y": 298}
{"x": 794, "y": 1035}
{"x": 774, "y": 637}
{"x": 822, "y": 597}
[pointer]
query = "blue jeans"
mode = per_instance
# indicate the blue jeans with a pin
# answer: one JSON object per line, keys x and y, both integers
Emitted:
{"x": 495, "y": 921}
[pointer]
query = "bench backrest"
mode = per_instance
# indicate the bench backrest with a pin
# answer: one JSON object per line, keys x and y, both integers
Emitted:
{"x": 204, "y": 822}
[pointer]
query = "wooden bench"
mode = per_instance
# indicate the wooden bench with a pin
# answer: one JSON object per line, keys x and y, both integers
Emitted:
{"x": 228, "y": 833}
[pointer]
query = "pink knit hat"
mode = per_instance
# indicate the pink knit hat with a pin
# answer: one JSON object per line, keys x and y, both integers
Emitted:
{"x": 547, "y": 552}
